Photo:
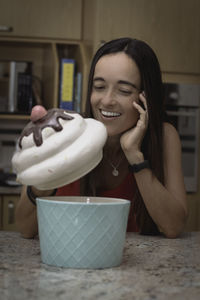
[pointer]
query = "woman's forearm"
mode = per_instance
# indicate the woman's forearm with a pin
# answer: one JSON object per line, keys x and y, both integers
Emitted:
{"x": 26, "y": 213}
{"x": 165, "y": 208}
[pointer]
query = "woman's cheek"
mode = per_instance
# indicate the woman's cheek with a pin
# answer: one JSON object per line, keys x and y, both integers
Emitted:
{"x": 92, "y": 102}
{"x": 132, "y": 119}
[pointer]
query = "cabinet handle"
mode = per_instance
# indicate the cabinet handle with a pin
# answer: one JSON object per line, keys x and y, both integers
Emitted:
{"x": 11, "y": 212}
{"x": 4, "y": 28}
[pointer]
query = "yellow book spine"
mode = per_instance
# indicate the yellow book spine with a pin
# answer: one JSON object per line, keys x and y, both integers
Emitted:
{"x": 67, "y": 83}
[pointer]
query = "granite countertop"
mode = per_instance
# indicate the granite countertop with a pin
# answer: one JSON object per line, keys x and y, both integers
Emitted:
{"x": 152, "y": 268}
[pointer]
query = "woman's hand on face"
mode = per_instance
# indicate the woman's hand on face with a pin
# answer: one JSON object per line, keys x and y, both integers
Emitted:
{"x": 131, "y": 140}
{"x": 37, "y": 113}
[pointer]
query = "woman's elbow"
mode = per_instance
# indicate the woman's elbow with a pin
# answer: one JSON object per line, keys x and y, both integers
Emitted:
{"x": 173, "y": 231}
{"x": 173, "y": 234}
{"x": 26, "y": 224}
{"x": 26, "y": 232}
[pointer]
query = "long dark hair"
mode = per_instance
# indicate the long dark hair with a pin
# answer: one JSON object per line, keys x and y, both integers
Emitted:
{"x": 151, "y": 84}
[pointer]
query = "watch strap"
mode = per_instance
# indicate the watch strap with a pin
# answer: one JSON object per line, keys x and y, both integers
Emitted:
{"x": 32, "y": 197}
{"x": 138, "y": 167}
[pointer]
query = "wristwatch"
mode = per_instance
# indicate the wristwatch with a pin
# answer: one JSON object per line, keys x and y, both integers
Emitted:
{"x": 138, "y": 167}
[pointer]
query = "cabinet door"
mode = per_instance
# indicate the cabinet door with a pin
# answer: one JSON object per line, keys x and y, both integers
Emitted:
{"x": 192, "y": 221}
{"x": 9, "y": 206}
{"x": 170, "y": 27}
{"x": 41, "y": 18}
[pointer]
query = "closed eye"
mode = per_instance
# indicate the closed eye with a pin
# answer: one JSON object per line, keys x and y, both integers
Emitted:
{"x": 98, "y": 88}
{"x": 125, "y": 92}
{"x": 98, "y": 83}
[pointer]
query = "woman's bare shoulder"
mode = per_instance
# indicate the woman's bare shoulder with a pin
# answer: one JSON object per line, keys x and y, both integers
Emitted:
{"x": 170, "y": 132}
{"x": 171, "y": 141}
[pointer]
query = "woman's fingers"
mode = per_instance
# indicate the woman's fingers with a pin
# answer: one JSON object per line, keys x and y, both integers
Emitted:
{"x": 37, "y": 113}
{"x": 143, "y": 113}
{"x": 138, "y": 107}
{"x": 143, "y": 99}
{"x": 142, "y": 110}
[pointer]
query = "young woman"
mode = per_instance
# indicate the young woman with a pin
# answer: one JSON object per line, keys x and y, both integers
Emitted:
{"x": 142, "y": 156}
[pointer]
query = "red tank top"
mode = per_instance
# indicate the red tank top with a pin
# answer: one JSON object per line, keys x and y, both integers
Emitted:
{"x": 125, "y": 190}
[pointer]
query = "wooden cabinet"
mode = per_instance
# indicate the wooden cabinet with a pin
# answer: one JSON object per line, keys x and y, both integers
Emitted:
{"x": 7, "y": 212}
{"x": 171, "y": 28}
{"x": 193, "y": 221}
{"x": 41, "y": 18}
{"x": 198, "y": 216}
{"x": 41, "y": 32}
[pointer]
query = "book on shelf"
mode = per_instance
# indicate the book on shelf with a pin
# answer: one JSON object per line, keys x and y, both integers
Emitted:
{"x": 67, "y": 82}
{"x": 25, "y": 99}
{"x": 78, "y": 92}
{"x": 16, "y": 67}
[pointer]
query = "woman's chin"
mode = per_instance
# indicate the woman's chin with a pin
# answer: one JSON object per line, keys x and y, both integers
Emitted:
{"x": 115, "y": 134}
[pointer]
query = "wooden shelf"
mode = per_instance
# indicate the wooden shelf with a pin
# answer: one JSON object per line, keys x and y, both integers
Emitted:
{"x": 14, "y": 117}
{"x": 10, "y": 190}
{"x": 45, "y": 55}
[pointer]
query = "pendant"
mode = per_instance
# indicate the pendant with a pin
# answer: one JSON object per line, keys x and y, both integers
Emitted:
{"x": 115, "y": 172}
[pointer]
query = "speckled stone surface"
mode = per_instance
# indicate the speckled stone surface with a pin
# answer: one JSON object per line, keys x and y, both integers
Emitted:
{"x": 152, "y": 268}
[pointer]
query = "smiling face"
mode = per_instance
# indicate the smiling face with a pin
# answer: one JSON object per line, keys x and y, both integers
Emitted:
{"x": 116, "y": 85}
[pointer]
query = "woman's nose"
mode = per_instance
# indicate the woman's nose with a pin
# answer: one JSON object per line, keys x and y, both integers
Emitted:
{"x": 109, "y": 98}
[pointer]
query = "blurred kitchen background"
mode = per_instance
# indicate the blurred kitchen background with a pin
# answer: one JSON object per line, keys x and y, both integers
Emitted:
{"x": 38, "y": 36}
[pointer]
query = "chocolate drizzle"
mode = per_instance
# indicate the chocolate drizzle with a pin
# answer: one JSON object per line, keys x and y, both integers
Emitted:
{"x": 49, "y": 120}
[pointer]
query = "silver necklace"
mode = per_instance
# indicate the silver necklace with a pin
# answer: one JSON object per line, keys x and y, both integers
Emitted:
{"x": 115, "y": 170}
